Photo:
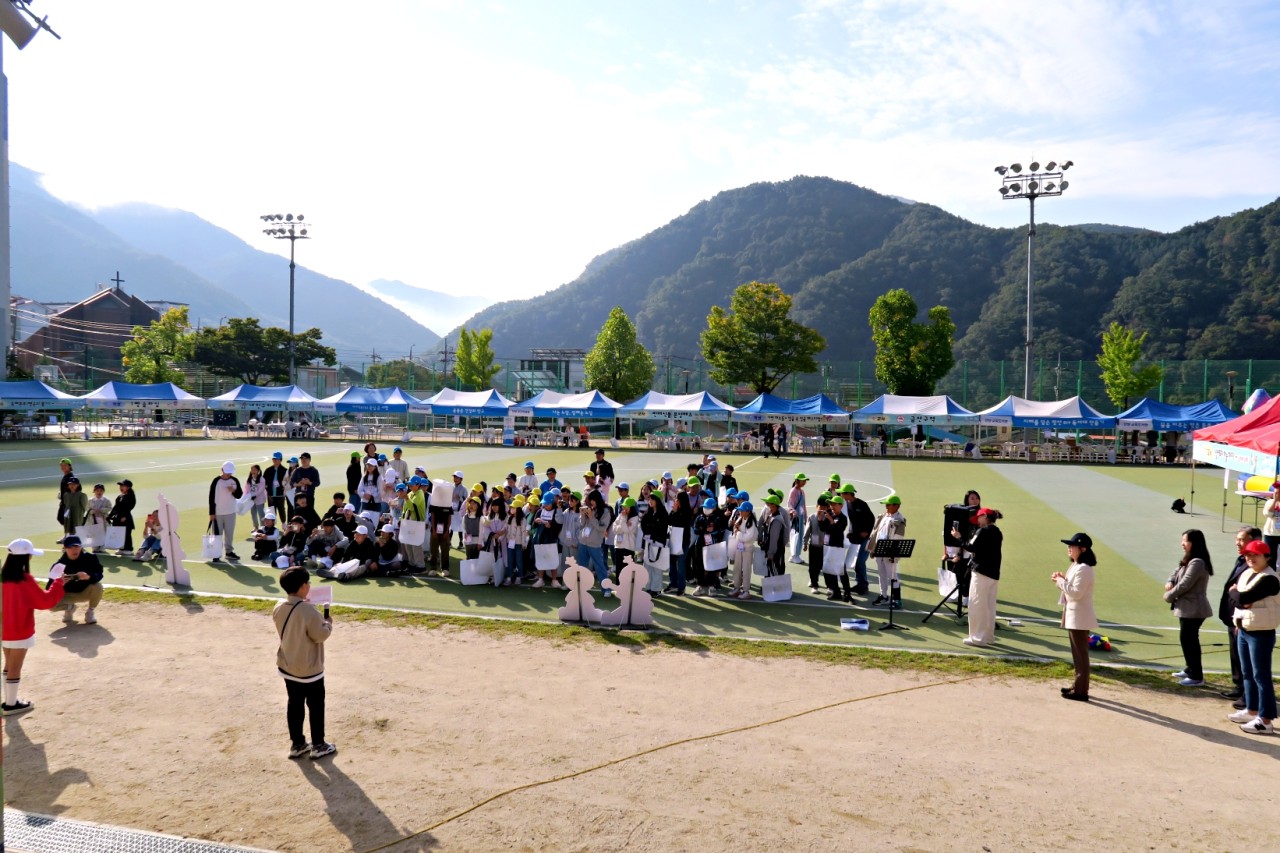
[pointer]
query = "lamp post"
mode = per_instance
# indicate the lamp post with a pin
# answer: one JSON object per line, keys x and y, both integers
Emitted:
{"x": 1031, "y": 185}
{"x": 288, "y": 227}
{"x": 1231, "y": 389}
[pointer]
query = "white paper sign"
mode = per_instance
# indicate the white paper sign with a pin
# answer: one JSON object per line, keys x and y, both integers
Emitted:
{"x": 320, "y": 595}
{"x": 57, "y": 571}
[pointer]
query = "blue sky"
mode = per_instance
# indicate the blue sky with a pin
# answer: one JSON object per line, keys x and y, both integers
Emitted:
{"x": 495, "y": 148}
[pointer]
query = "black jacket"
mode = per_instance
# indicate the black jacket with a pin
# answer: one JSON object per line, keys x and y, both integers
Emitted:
{"x": 122, "y": 511}
{"x": 861, "y": 519}
{"x": 86, "y": 563}
{"x": 1225, "y": 607}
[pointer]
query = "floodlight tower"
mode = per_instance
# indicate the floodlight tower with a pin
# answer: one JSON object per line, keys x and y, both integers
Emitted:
{"x": 287, "y": 226}
{"x": 21, "y": 25}
{"x": 1031, "y": 185}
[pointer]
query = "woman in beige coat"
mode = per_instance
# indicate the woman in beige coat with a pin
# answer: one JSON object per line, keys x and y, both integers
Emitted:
{"x": 1188, "y": 595}
{"x": 1078, "y": 616}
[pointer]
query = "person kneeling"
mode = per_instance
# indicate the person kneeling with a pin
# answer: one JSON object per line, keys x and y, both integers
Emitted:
{"x": 83, "y": 584}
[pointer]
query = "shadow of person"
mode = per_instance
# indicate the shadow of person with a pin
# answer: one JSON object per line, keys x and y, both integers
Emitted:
{"x": 84, "y": 640}
{"x": 1225, "y": 737}
{"x": 355, "y": 815}
{"x": 31, "y": 786}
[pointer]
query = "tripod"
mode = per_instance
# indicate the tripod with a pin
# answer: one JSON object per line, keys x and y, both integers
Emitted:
{"x": 894, "y": 549}
{"x": 962, "y": 583}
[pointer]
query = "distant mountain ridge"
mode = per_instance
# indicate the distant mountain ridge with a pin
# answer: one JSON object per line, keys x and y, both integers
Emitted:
{"x": 441, "y": 310}
{"x": 60, "y": 252}
{"x": 1206, "y": 291}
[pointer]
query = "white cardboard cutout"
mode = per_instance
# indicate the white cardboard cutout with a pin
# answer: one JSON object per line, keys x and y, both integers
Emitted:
{"x": 635, "y": 605}
{"x": 579, "y": 604}
{"x": 171, "y": 542}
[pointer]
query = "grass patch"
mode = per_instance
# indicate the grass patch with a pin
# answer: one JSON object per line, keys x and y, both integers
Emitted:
{"x": 641, "y": 641}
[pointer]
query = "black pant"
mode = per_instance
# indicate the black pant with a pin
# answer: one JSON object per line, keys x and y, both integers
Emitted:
{"x": 1237, "y": 674}
{"x": 833, "y": 582}
{"x": 303, "y": 697}
{"x": 815, "y": 564}
{"x": 1080, "y": 660}
{"x": 438, "y": 552}
{"x": 1189, "y": 636}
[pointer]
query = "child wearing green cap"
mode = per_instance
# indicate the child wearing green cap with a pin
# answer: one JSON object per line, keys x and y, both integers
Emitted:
{"x": 891, "y": 524}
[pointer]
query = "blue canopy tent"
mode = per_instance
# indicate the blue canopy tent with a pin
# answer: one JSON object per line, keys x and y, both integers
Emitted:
{"x": 1072, "y": 413}
{"x": 125, "y": 395}
{"x": 247, "y": 398}
{"x": 34, "y": 394}
{"x": 903, "y": 411}
{"x": 472, "y": 404}
{"x": 1165, "y": 417}
{"x": 357, "y": 399}
{"x": 591, "y": 404}
{"x": 818, "y": 409}
{"x": 695, "y": 407}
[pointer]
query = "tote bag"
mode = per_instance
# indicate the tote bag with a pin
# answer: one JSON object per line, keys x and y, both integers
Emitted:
{"x": 546, "y": 558}
{"x": 833, "y": 560}
{"x": 675, "y": 540}
{"x": 244, "y": 504}
{"x": 715, "y": 557}
{"x": 656, "y": 556}
{"x": 92, "y": 535}
{"x": 759, "y": 564}
{"x": 776, "y": 588}
{"x": 211, "y": 544}
{"x": 114, "y": 538}
{"x": 413, "y": 533}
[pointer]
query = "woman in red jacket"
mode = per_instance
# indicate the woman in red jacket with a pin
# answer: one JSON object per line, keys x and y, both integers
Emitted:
{"x": 22, "y": 598}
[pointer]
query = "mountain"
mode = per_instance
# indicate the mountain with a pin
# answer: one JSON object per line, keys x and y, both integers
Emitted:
{"x": 1206, "y": 291}
{"x": 440, "y": 310}
{"x": 61, "y": 252}
{"x": 262, "y": 279}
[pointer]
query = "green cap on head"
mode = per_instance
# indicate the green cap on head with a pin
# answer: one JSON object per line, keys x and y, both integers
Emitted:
{"x": 847, "y": 489}
{"x": 694, "y": 481}
{"x": 629, "y": 502}
{"x": 804, "y": 478}
{"x": 773, "y": 499}
{"x": 837, "y": 500}
{"x": 835, "y": 478}
{"x": 892, "y": 500}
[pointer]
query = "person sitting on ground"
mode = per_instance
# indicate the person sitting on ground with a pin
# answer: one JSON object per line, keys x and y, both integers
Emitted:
{"x": 293, "y": 542}
{"x": 389, "y": 561}
{"x": 152, "y": 546}
{"x": 323, "y": 542}
{"x": 82, "y": 581}
{"x": 266, "y": 539}
{"x": 348, "y": 521}
{"x": 302, "y": 508}
{"x": 335, "y": 511}
{"x": 358, "y": 558}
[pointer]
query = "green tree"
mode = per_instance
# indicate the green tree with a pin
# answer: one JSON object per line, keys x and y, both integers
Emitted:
{"x": 756, "y": 342}
{"x": 474, "y": 359}
{"x": 617, "y": 365}
{"x": 1123, "y": 378}
{"x": 245, "y": 351}
{"x": 149, "y": 356}
{"x": 910, "y": 357}
{"x": 400, "y": 372}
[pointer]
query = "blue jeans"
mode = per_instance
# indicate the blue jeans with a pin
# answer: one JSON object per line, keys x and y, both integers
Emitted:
{"x": 1255, "y": 664}
{"x": 515, "y": 565}
{"x": 860, "y": 564}
{"x": 593, "y": 559}
{"x": 679, "y": 571}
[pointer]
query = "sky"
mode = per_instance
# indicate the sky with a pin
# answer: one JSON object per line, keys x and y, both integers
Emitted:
{"x": 495, "y": 148}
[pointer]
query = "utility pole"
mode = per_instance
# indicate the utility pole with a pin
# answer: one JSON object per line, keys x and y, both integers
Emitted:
{"x": 446, "y": 356}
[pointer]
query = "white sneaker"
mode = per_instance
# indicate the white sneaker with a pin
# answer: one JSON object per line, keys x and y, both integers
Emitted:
{"x": 798, "y": 561}
{"x": 1242, "y": 716}
{"x": 1257, "y": 727}
{"x": 89, "y": 618}
{"x": 69, "y": 615}
{"x": 557, "y": 585}
{"x": 539, "y": 584}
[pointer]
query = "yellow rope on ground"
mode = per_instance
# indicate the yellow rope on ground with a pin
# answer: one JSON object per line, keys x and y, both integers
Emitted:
{"x": 659, "y": 748}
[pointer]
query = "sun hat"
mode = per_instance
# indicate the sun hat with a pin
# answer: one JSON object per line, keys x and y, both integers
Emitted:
{"x": 1082, "y": 540}
{"x": 24, "y": 546}
{"x": 746, "y": 506}
{"x": 709, "y": 503}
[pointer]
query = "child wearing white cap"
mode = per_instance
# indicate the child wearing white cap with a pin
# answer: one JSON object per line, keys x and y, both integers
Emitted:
{"x": 22, "y": 597}
{"x": 224, "y": 491}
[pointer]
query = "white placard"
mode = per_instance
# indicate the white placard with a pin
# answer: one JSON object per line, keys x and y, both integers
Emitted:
{"x": 320, "y": 595}
{"x": 57, "y": 571}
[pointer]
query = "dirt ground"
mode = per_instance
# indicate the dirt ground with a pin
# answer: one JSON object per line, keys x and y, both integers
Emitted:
{"x": 173, "y": 720}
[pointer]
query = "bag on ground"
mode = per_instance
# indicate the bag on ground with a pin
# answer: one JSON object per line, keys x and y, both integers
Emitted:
{"x": 114, "y": 538}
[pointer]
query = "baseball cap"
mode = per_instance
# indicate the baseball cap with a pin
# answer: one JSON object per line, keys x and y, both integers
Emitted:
{"x": 984, "y": 511}
{"x": 63, "y": 461}
{"x": 355, "y": 454}
{"x": 892, "y": 500}
{"x": 804, "y": 478}
{"x": 1257, "y": 546}
{"x": 402, "y": 487}
{"x": 773, "y": 499}
{"x": 279, "y": 455}
{"x": 458, "y": 474}
{"x": 397, "y": 450}
{"x": 577, "y": 495}
{"x": 228, "y": 467}
{"x": 709, "y": 503}
{"x": 653, "y": 483}
{"x": 548, "y": 499}
{"x": 362, "y": 530}
{"x": 666, "y": 475}
{"x": 628, "y": 502}
{"x": 371, "y": 461}
{"x": 681, "y": 483}
{"x": 624, "y": 487}
{"x": 269, "y": 515}
{"x": 476, "y": 487}
{"x": 348, "y": 508}
{"x": 731, "y": 493}
{"x": 382, "y": 457}
{"x": 837, "y": 500}
{"x": 73, "y": 480}
{"x": 529, "y": 464}
{"x": 387, "y": 528}
{"x": 24, "y": 546}
{"x": 746, "y": 506}
{"x": 693, "y": 481}
{"x": 282, "y": 562}
{"x": 848, "y": 489}
{"x": 744, "y": 496}
{"x": 293, "y": 459}
{"x": 125, "y": 482}
{"x": 1082, "y": 540}
{"x": 327, "y": 521}
{"x": 71, "y": 541}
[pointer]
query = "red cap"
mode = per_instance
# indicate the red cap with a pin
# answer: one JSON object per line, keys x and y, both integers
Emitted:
{"x": 985, "y": 511}
{"x": 1257, "y": 546}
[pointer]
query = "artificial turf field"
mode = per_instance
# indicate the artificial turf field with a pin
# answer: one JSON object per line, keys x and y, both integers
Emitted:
{"x": 1125, "y": 510}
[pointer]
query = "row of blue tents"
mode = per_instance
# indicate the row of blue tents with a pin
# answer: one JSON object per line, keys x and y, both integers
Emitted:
{"x": 889, "y": 410}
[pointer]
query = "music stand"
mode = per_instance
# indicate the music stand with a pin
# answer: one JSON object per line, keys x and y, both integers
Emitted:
{"x": 962, "y": 580}
{"x": 894, "y": 549}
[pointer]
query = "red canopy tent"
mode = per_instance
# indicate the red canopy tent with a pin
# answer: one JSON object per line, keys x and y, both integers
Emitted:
{"x": 1248, "y": 444}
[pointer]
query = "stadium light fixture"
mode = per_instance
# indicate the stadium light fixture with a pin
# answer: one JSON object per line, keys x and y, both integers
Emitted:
{"x": 1035, "y": 184}
{"x": 293, "y": 232}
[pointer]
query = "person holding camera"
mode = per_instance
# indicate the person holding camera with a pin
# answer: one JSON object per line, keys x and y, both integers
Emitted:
{"x": 985, "y": 544}
{"x": 300, "y": 661}
{"x": 82, "y": 581}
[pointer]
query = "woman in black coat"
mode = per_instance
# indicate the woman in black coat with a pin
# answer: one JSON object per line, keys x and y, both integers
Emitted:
{"x": 122, "y": 515}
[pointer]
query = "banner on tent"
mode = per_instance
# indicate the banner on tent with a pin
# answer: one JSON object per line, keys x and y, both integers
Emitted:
{"x": 911, "y": 420}
{"x": 1233, "y": 458}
